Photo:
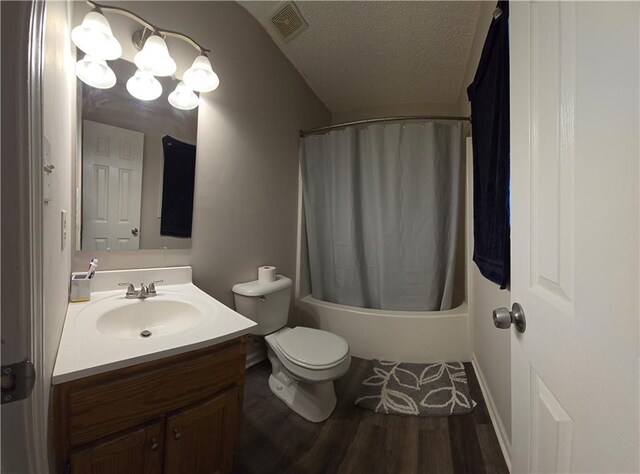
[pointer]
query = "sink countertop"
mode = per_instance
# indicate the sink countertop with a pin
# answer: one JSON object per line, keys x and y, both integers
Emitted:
{"x": 84, "y": 350}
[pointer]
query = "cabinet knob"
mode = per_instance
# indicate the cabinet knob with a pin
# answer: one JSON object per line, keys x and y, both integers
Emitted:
{"x": 177, "y": 435}
{"x": 154, "y": 444}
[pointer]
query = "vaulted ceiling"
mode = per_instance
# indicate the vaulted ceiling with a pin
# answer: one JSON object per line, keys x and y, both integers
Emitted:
{"x": 356, "y": 55}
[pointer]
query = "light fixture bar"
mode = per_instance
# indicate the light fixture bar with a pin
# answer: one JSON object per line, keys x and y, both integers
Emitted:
{"x": 147, "y": 24}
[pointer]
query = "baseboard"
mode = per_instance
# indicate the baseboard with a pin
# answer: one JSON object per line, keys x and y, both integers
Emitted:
{"x": 498, "y": 426}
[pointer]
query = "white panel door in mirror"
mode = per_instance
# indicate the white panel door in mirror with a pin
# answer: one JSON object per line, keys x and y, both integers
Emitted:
{"x": 112, "y": 186}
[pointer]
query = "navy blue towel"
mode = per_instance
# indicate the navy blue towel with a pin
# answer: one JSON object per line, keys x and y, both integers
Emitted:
{"x": 177, "y": 187}
{"x": 489, "y": 96}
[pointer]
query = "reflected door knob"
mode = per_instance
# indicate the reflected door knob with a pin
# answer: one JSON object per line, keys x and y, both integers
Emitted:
{"x": 503, "y": 318}
{"x": 134, "y": 231}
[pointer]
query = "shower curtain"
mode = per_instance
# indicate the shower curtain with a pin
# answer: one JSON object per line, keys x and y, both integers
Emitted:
{"x": 382, "y": 212}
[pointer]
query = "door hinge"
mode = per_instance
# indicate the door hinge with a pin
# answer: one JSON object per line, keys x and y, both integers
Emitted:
{"x": 16, "y": 381}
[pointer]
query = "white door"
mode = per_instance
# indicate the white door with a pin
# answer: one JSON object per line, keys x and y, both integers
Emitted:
{"x": 575, "y": 218}
{"x": 111, "y": 187}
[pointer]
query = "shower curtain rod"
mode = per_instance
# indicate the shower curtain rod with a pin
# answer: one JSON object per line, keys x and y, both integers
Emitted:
{"x": 400, "y": 118}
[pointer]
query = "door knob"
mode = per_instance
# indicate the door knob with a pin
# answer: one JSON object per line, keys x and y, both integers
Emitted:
{"x": 154, "y": 445}
{"x": 177, "y": 435}
{"x": 134, "y": 231}
{"x": 503, "y": 318}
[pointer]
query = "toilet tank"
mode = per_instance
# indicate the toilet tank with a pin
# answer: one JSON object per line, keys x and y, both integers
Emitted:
{"x": 266, "y": 303}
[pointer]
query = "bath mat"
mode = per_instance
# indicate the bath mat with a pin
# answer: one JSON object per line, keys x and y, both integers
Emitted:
{"x": 416, "y": 389}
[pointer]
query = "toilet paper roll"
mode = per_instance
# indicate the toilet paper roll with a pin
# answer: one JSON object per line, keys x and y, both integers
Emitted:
{"x": 266, "y": 274}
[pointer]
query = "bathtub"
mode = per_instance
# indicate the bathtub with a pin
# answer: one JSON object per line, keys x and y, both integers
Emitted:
{"x": 405, "y": 336}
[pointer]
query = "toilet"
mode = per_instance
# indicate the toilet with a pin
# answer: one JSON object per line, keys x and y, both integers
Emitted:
{"x": 304, "y": 361}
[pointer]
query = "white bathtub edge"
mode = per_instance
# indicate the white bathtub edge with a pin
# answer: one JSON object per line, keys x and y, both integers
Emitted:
{"x": 405, "y": 336}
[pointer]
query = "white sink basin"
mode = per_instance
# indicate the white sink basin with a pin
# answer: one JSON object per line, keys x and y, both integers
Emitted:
{"x": 152, "y": 317}
{"x": 111, "y": 332}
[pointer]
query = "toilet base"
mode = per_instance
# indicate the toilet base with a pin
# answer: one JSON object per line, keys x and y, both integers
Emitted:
{"x": 314, "y": 401}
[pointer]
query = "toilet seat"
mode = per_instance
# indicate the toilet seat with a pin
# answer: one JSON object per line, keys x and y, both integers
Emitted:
{"x": 312, "y": 349}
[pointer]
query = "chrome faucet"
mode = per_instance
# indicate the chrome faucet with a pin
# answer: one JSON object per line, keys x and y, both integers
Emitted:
{"x": 145, "y": 291}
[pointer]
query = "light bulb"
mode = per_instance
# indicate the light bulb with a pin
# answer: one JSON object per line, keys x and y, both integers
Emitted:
{"x": 200, "y": 76}
{"x": 154, "y": 57}
{"x": 183, "y": 98}
{"x": 95, "y": 38}
{"x": 95, "y": 72}
{"x": 142, "y": 85}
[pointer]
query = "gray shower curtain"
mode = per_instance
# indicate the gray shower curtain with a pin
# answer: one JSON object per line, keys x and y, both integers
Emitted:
{"x": 382, "y": 213}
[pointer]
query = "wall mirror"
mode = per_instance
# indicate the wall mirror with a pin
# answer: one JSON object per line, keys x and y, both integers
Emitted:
{"x": 136, "y": 167}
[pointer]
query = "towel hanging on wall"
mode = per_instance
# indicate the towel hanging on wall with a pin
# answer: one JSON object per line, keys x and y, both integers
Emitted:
{"x": 177, "y": 187}
{"x": 489, "y": 96}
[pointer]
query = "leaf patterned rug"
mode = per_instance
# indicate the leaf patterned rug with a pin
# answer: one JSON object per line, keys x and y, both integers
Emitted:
{"x": 397, "y": 388}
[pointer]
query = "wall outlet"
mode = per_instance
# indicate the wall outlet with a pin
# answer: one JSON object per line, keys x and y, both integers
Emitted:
{"x": 63, "y": 229}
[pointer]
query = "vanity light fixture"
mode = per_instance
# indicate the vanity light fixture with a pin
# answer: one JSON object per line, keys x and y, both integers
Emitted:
{"x": 94, "y": 37}
{"x": 154, "y": 57}
{"x": 200, "y": 76}
{"x": 142, "y": 85}
{"x": 95, "y": 72}
{"x": 183, "y": 98}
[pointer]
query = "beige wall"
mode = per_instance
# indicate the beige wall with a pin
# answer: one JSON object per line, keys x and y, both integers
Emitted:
{"x": 59, "y": 120}
{"x": 492, "y": 346}
{"x": 246, "y": 173}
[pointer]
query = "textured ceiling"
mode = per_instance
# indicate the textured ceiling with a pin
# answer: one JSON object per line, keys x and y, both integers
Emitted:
{"x": 365, "y": 54}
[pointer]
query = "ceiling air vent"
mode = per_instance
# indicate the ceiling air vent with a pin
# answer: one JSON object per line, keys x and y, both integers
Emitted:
{"x": 288, "y": 21}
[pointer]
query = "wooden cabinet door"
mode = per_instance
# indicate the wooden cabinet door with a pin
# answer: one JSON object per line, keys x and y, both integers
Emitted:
{"x": 135, "y": 452}
{"x": 201, "y": 439}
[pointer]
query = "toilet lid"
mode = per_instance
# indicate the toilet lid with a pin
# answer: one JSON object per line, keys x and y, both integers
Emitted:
{"x": 312, "y": 347}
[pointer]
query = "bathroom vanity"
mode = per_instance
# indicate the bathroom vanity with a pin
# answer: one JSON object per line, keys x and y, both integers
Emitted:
{"x": 174, "y": 415}
{"x": 166, "y": 403}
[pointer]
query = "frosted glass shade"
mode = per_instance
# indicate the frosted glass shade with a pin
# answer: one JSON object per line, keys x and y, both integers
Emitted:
{"x": 95, "y": 72}
{"x": 183, "y": 98}
{"x": 154, "y": 57}
{"x": 142, "y": 85}
{"x": 94, "y": 37}
{"x": 200, "y": 76}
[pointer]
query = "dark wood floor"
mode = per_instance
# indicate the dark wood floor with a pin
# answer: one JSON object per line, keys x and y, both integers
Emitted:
{"x": 354, "y": 440}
